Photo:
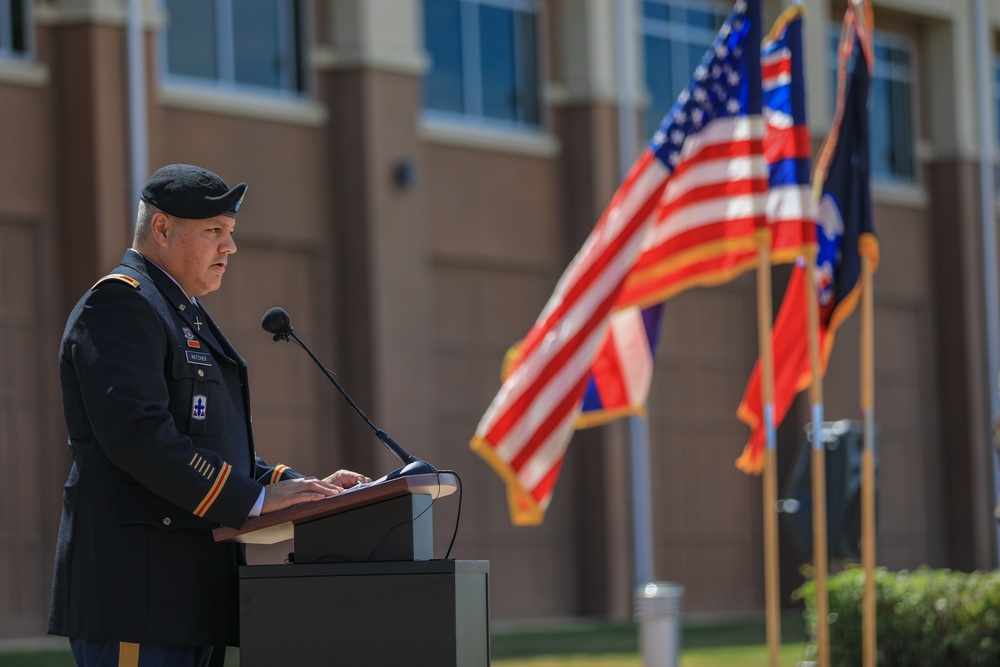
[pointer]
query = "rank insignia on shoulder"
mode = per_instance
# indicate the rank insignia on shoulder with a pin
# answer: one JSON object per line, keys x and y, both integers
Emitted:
{"x": 128, "y": 280}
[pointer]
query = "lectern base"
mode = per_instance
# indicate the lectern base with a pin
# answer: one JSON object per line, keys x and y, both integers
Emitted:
{"x": 427, "y": 613}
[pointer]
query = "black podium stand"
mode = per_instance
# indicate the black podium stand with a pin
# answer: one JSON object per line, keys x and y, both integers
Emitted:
{"x": 363, "y": 588}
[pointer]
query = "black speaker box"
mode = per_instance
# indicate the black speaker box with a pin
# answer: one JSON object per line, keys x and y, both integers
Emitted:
{"x": 843, "y": 443}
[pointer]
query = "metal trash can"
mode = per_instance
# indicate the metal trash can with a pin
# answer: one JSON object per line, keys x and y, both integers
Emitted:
{"x": 658, "y": 611}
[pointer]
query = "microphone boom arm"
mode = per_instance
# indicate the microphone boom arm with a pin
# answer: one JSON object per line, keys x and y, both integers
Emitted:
{"x": 384, "y": 437}
{"x": 276, "y": 321}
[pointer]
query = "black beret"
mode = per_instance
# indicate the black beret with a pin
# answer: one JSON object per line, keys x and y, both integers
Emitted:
{"x": 186, "y": 191}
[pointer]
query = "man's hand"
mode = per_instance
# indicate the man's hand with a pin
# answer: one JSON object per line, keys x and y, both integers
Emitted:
{"x": 346, "y": 479}
{"x": 290, "y": 492}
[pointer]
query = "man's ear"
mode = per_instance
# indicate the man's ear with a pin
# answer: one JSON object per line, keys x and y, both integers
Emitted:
{"x": 160, "y": 227}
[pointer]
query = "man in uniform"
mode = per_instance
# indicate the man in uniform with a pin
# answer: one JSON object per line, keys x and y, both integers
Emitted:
{"x": 157, "y": 407}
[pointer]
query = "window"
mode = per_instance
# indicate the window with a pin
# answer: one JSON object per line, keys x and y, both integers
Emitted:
{"x": 484, "y": 60}
{"x": 996, "y": 99}
{"x": 890, "y": 115}
{"x": 996, "y": 117}
{"x": 14, "y": 29}
{"x": 676, "y": 36}
{"x": 246, "y": 44}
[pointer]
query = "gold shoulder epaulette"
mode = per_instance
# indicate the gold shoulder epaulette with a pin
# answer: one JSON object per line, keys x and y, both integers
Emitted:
{"x": 128, "y": 280}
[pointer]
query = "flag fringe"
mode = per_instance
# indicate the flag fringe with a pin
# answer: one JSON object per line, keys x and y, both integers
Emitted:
{"x": 787, "y": 16}
{"x": 751, "y": 463}
{"x": 717, "y": 277}
{"x": 854, "y": 23}
{"x": 510, "y": 360}
{"x": 700, "y": 253}
{"x": 602, "y": 417}
{"x": 524, "y": 510}
{"x": 868, "y": 247}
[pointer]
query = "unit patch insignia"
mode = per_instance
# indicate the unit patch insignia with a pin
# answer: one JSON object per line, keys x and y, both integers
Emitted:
{"x": 188, "y": 333}
{"x": 199, "y": 407}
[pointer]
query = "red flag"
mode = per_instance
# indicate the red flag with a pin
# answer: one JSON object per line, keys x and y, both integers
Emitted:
{"x": 791, "y": 371}
{"x": 845, "y": 231}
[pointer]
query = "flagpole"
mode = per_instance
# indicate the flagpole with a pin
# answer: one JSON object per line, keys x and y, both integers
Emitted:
{"x": 869, "y": 629}
{"x": 137, "y": 87}
{"x": 818, "y": 468}
{"x": 655, "y": 650}
{"x": 818, "y": 451}
{"x": 638, "y": 429}
{"x": 770, "y": 494}
{"x": 868, "y": 634}
{"x": 987, "y": 212}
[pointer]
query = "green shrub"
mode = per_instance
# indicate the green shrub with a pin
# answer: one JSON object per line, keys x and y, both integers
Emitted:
{"x": 926, "y": 618}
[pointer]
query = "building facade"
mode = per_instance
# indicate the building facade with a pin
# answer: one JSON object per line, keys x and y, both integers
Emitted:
{"x": 421, "y": 172}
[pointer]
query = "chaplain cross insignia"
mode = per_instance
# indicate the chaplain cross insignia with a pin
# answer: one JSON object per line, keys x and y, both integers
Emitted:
{"x": 197, "y": 323}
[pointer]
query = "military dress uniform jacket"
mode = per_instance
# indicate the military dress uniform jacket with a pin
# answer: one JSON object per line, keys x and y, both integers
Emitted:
{"x": 157, "y": 407}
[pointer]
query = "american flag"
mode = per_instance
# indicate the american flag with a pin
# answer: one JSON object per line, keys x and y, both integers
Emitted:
{"x": 701, "y": 181}
{"x": 621, "y": 375}
{"x": 704, "y": 229}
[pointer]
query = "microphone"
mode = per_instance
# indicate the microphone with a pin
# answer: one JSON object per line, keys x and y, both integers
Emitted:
{"x": 277, "y": 322}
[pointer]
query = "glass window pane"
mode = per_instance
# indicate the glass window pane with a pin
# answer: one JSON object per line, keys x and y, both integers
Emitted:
{"x": 18, "y": 26}
{"x": 996, "y": 100}
{"x": 294, "y": 65}
{"x": 191, "y": 40}
{"x": 443, "y": 86}
{"x": 691, "y": 57}
{"x": 996, "y": 116}
{"x": 903, "y": 58}
{"x": 880, "y": 133}
{"x": 655, "y": 10}
{"x": 527, "y": 41}
{"x": 674, "y": 50}
{"x": 882, "y": 52}
{"x": 484, "y": 59}
{"x": 496, "y": 40}
{"x": 702, "y": 18}
{"x": 891, "y": 131}
{"x": 242, "y": 42}
{"x": 695, "y": 54}
{"x": 658, "y": 78}
{"x": 257, "y": 57}
{"x": 902, "y": 131}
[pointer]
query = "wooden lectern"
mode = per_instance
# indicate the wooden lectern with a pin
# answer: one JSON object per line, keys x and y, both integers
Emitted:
{"x": 362, "y": 587}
